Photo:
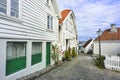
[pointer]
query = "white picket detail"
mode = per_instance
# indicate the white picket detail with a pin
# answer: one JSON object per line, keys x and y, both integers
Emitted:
{"x": 112, "y": 63}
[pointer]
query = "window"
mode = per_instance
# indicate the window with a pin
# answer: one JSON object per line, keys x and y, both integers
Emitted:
{"x": 16, "y": 57}
{"x": 66, "y": 24}
{"x": 3, "y": 6}
{"x": 10, "y": 10}
{"x": 63, "y": 38}
{"x": 14, "y": 8}
{"x": 36, "y": 52}
{"x": 48, "y": 1}
{"x": 16, "y": 49}
{"x": 50, "y": 22}
{"x": 71, "y": 27}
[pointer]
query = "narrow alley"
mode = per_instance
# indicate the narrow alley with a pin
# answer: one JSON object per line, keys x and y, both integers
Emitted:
{"x": 81, "y": 68}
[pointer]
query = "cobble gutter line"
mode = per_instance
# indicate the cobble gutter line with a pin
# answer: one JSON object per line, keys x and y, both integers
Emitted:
{"x": 35, "y": 77}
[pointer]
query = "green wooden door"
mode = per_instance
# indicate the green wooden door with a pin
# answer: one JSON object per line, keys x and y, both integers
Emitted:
{"x": 48, "y": 53}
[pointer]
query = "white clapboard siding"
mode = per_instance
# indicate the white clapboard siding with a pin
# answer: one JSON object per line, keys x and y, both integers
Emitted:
{"x": 112, "y": 63}
{"x": 107, "y": 47}
{"x": 33, "y": 24}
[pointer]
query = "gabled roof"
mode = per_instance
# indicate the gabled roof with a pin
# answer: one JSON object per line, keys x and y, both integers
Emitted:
{"x": 64, "y": 14}
{"x": 85, "y": 45}
{"x": 108, "y": 35}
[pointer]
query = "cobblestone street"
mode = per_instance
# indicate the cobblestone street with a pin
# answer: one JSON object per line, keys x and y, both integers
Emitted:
{"x": 81, "y": 68}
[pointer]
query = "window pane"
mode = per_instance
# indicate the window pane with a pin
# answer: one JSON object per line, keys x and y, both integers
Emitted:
{"x": 48, "y": 26}
{"x": 3, "y": 6}
{"x": 47, "y": 1}
{"x": 3, "y": 1}
{"x": 16, "y": 49}
{"x": 14, "y": 13}
{"x": 14, "y": 8}
{"x": 49, "y": 22}
{"x": 10, "y": 52}
{"x": 14, "y": 4}
{"x": 36, "y": 47}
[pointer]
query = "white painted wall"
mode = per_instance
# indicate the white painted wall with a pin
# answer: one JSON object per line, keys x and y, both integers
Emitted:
{"x": 29, "y": 68}
{"x": 33, "y": 22}
{"x": 30, "y": 26}
{"x": 69, "y": 33}
{"x": 107, "y": 47}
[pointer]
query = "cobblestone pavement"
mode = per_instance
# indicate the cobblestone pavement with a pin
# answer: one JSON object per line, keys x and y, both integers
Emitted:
{"x": 80, "y": 68}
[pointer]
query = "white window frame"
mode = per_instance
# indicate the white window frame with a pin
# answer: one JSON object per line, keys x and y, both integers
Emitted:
{"x": 49, "y": 22}
{"x": 8, "y": 16}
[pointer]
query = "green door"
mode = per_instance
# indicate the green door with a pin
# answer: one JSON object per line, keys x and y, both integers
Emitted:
{"x": 48, "y": 53}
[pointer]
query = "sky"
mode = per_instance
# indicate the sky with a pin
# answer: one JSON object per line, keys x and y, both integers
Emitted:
{"x": 92, "y": 15}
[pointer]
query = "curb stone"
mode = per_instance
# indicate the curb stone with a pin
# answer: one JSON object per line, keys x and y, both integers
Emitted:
{"x": 37, "y": 74}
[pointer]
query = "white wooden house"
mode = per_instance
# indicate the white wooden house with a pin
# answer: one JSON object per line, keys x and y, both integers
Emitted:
{"x": 67, "y": 30}
{"x": 110, "y": 42}
{"x": 27, "y": 29}
{"x": 88, "y": 46}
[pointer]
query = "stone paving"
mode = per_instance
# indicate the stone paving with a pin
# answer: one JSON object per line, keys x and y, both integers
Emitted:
{"x": 80, "y": 68}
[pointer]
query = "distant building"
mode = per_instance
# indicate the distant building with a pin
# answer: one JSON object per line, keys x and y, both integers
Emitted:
{"x": 88, "y": 45}
{"x": 80, "y": 46}
{"x": 110, "y": 41}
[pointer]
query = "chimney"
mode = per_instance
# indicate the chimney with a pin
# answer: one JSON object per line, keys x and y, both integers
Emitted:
{"x": 113, "y": 29}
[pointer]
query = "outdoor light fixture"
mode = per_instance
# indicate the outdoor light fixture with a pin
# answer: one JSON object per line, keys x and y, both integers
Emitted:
{"x": 99, "y": 32}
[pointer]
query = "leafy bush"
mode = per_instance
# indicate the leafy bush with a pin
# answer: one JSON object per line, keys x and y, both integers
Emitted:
{"x": 118, "y": 54}
{"x": 82, "y": 51}
{"x": 68, "y": 55}
{"x": 90, "y": 52}
{"x": 74, "y": 54}
{"x": 63, "y": 59}
{"x": 97, "y": 62}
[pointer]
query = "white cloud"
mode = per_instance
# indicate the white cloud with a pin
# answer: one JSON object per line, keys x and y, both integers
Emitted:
{"x": 93, "y": 14}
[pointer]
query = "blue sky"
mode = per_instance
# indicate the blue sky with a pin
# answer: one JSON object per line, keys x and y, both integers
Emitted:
{"x": 92, "y": 15}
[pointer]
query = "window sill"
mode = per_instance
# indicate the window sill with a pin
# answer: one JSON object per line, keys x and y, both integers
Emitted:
{"x": 50, "y": 30}
{"x": 10, "y": 18}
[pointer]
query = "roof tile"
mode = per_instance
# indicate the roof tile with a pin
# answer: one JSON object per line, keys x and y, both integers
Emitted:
{"x": 64, "y": 14}
{"x": 107, "y": 35}
{"x": 86, "y": 44}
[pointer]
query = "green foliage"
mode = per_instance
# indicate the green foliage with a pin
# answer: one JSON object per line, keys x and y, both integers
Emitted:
{"x": 55, "y": 53}
{"x": 68, "y": 54}
{"x": 74, "y": 54}
{"x": 97, "y": 62}
{"x": 82, "y": 51}
{"x": 118, "y": 54}
{"x": 90, "y": 52}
